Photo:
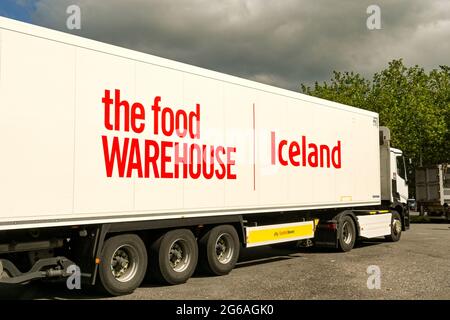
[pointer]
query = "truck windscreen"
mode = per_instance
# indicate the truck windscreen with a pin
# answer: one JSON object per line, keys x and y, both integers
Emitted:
{"x": 401, "y": 167}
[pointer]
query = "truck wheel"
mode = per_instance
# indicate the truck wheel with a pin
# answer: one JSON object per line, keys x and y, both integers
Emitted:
{"x": 219, "y": 250}
{"x": 174, "y": 256}
{"x": 346, "y": 234}
{"x": 396, "y": 228}
{"x": 123, "y": 264}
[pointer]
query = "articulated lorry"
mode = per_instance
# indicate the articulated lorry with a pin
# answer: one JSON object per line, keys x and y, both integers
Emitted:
{"x": 124, "y": 164}
{"x": 433, "y": 191}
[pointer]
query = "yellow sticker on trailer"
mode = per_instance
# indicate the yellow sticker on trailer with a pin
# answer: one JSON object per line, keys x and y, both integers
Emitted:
{"x": 279, "y": 233}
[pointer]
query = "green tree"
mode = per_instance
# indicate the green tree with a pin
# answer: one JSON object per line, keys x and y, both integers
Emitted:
{"x": 439, "y": 85}
{"x": 414, "y": 104}
{"x": 345, "y": 87}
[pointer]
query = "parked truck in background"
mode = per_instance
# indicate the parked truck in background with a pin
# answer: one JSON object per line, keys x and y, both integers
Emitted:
{"x": 125, "y": 164}
{"x": 433, "y": 191}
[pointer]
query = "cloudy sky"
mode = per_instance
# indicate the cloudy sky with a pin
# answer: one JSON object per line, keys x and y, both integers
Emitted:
{"x": 283, "y": 43}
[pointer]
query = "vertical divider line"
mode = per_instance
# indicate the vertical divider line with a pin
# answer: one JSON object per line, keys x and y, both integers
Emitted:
{"x": 134, "y": 179}
{"x": 74, "y": 150}
{"x": 254, "y": 149}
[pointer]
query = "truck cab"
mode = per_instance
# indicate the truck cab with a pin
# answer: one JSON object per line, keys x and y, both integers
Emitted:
{"x": 399, "y": 176}
{"x": 393, "y": 178}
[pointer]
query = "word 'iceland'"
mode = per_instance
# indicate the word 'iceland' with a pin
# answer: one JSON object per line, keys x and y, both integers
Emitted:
{"x": 160, "y": 158}
{"x": 304, "y": 153}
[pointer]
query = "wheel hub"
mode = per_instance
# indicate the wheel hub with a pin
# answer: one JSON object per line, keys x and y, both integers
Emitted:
{"x": 124, "y": 263}
{"x": 179, "y": 255}
{"x": 224, "y": 249}
{"x": 176, "y": 254}
{"x": 346, "y": 233}
{"x": 397, "y": 228}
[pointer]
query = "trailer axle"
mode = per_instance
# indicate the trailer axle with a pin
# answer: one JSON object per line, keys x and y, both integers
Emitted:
{"x": 44, "y": 268}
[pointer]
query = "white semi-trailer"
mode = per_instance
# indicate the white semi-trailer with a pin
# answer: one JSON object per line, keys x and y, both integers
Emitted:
{"x": 126, "y": 164}
{"x": 433, "y": 191}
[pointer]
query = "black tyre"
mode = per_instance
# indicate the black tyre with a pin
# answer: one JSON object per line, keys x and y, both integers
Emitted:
{"x": 396, "y": 228}
{"x": 219, "y": 250}
{"x": 346, "y": 234}
{"x": 173, "y": 257}
{"x": 123, "y": 264}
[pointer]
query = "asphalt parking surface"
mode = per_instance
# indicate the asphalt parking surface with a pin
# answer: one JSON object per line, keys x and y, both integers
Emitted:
{"x": 417, "y": 267}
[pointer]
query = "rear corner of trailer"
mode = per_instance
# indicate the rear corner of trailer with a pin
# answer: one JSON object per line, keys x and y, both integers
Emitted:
{"x": 37, "y": 91}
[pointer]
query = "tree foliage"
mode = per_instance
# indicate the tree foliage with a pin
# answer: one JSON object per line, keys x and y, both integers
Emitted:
{"x": 413, "y": 103}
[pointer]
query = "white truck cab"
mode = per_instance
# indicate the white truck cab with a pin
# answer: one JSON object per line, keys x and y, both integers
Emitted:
{"x": 393, "y": 177}
{"x": 399, "y": 175}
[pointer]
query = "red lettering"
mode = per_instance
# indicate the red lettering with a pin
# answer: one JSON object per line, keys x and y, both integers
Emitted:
{"x": 194, "y": 115}
{"x": 151, "y": 159}
{"x": 208, "y": 174}
{"x": 110, "y": 158}
{"x": 107, "y": 101}
{"x": 137, "y": 113}
{"x": 155, "y": 158}
{"x": 220, "y": 174}
{"x": 324, "y": 149}
{"x": 181, "y": 116}
{"x": 304, "y": 151}
{"x": 294, "y": 151}
{"x": 181, "y": 159}
{"x": 312, "y": 156}
{"x": 230, "y": 162}
{"x": 337, "y": 150}
{"x": 167, "y": 122}
{"x": 118, "y": 104}
{"x": 156, "y": 108}
{"x": 134, "y": 162}
{"x": 195, "y": 174}
{"x": 165, "y": 159}
{"x": 280, "y": 151}
{"x": 273, "y": 152}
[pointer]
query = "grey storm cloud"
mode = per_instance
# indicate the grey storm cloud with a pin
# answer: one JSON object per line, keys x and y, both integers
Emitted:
{"x": 283, "y": 43}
